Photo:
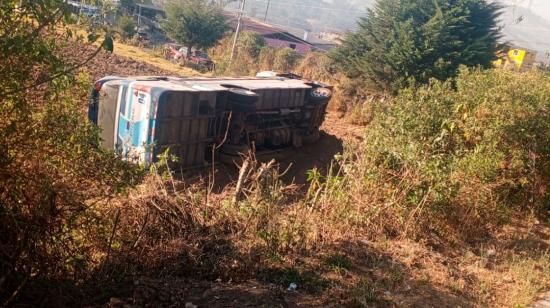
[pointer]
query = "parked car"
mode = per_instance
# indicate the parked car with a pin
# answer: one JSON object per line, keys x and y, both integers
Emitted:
{"x": 200, "y": 58}
{"x": 142, "y": 117}
{"x": 174, "y": 51}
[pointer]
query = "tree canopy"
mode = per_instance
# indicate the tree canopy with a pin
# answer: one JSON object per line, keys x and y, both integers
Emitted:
{"x": 126, "y": 27}
{"x": 400, "y": 41}
{"x": 194, "y": 23}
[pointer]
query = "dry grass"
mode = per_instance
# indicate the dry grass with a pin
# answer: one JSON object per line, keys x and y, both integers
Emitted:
{"x": 143, "y": 55}
{"x": 272, "y": 233}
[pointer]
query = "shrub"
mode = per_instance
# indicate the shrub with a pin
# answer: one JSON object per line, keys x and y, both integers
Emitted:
{"x": 54, "y": 179}
{"x": 126, "y": 27}
{"x": 253, "y": 55}
{"x": 316, "y": 66}
{"x": 452, "y": 158}
{"x": 249, "y": 47}
{"x": 285, "y": 59}
{"x": 349, "y": 94}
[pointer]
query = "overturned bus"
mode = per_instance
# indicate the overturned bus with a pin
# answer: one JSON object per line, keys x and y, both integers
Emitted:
{"x": 142, "y": 117}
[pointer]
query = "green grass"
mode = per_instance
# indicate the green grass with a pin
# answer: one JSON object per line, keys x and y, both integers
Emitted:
{"x": 338, "y": 262}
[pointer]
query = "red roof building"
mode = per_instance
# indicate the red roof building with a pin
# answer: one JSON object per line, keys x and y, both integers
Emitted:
{"x": 274, "y": 36}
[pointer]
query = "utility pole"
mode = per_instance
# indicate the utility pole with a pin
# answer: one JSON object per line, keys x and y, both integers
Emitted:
{"x": 79, "y": 12}
{"x": 267, "y": 10}
{"x": 238, "y": 30}
{"x": 139, "y": 17}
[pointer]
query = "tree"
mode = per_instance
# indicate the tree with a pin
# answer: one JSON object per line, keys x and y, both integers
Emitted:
{"x": 401, "y": 41}
{"x": 126, "y": 27}
{"x": 108, "y": 8}
{"x": 194, "y": 23}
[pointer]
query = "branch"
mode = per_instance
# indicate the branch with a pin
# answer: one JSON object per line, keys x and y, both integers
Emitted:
{"x": 55, "y": 76}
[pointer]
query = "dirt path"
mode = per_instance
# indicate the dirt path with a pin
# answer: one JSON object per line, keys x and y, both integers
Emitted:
{"x": 105, "y": 64}
{"x": 336, "y": 125}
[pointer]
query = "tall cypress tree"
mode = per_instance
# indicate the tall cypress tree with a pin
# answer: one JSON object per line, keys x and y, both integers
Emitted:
{"x": 399, "y": 41}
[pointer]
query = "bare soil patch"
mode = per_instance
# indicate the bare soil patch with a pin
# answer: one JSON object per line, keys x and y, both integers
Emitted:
{"x": 105, "y": 63}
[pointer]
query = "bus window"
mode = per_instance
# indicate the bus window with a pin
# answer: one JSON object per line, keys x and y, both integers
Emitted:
{"x": 123, "y": 101}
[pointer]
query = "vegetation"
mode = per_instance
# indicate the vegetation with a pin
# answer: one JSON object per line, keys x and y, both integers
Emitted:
{"x": 126, "y": 27}
{"x": 194, "y": 23}
{"x": 349, "y": 95}
{"x": 455, "y": 161}
{"x": 253, "y": 56}
{"x": 440, "y": 200}
{"x": 53, "y": 176}
{"x": 402, "y": 42}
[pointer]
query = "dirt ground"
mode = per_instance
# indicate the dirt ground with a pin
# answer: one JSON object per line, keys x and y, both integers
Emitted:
{"x": 105, "y": 64}
{"x": 381, "y": 273}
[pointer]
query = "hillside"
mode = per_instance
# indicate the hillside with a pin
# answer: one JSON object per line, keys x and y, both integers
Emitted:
{"x": 434, "y": 194}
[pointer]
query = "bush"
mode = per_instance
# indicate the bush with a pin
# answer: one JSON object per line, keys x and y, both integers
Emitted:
{"x": 285, "y": 59}
{"x": 249, "y": 47}
{"x": 253, "y": 55}
{"x": 54, "y": 178}
{"x": 316, "y": 66}
{"x": 349, "y": 94}
{"x": 453, "y": 158}
{"x": 54, "y": 181}
{"x": 126, "y": 27}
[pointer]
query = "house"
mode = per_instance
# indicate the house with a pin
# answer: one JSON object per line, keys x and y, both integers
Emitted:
{"x": 274, "y": 36}
{"x": 319, "y": 43}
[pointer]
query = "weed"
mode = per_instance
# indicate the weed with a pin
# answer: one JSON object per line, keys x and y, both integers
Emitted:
{"x": 530, "y": 277}
{"x": 364, "y": 294}
{"x": 338, "y": 262}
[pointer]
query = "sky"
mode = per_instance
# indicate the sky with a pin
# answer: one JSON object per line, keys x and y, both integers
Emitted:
{"x": 539, "y": 7}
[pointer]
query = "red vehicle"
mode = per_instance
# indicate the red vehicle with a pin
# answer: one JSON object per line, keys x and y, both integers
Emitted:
{"x": 201, "y": 58}
{"x": 177, "y": 52}
{"x": 174, "y": 52}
